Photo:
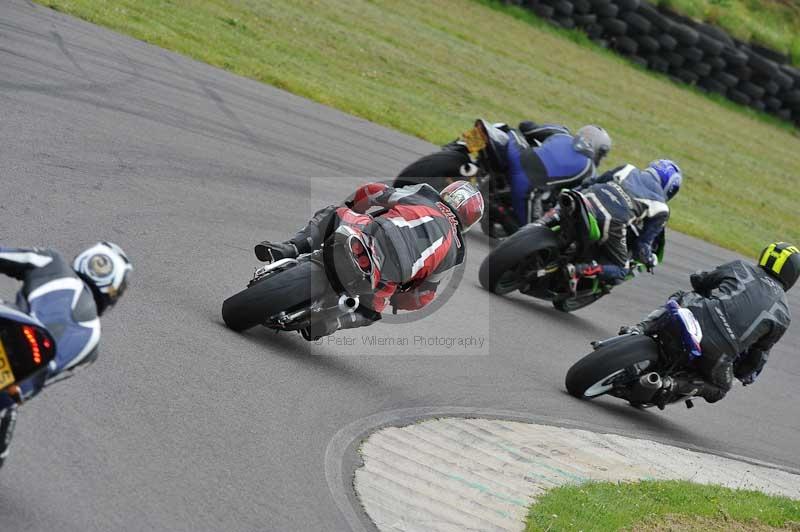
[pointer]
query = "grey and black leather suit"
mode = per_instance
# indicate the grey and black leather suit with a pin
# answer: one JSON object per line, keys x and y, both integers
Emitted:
{"x": 743, "y": 312}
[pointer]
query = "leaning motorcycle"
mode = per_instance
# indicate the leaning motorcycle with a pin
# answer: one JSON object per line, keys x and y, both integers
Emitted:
{"x": 536, "y": 259}
{"x": 315, "y": 294}
{"x": 26, "y": 351}
{"x": 639, "y": 367}
{"x": 479, "y": 156}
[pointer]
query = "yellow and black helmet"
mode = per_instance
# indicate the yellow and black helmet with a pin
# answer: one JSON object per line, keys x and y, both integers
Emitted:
{"x": 782, "y": 261}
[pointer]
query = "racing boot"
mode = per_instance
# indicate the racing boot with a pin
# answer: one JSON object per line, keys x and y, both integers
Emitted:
{"x": 674, "y": 388}
{"x": 575, "y": 272}
{"x": 649, "y": 325}
{"x": 270, "y": 252}
{"x": 591, "y": 269}
{"x": 549, "y": 219}
{"x": 631, "y": 329}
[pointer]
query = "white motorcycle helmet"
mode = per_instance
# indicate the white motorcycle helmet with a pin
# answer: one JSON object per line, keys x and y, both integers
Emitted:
{"x": 105, "y": 267}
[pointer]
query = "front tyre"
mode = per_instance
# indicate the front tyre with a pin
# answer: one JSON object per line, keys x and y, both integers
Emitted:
{"x": 598, "y": 372}
{"x": 284, "y": 291}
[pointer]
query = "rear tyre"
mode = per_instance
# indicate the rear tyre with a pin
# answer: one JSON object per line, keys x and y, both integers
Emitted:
{"x": 544, "y": 11}
{"x": 594, "y": 374}
{"x": 711, "y": 85}
{"x": 285, "y": 291}
{"x": 636, "y": 22}
{"x": 7, "y": 423}
{"x": 613, "y": 26}
{"x": 437, "y": 169}
{"x": 626, "y": 45}
{"x": 498, "y": 271}
{"x": 667, "y": 42}
{"x": 647, "y": 44}
{"x": 756, "y": 92}
{"x": 733, "y": 56}
{"x": 607, "y": 10}
{"x": 739, "y": 97}
{"x": 657, "y": 63}
{"x": 575, "y": 303}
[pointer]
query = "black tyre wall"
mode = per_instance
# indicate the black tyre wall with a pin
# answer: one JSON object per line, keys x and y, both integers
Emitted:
{"x": 695, "y": 52}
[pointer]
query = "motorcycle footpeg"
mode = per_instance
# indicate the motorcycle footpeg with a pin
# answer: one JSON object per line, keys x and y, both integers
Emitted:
{"x": 267, "y": 268}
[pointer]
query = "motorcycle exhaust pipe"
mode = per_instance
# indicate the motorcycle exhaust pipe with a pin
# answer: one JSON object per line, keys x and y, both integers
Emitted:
{"x": 650, "y": 381}
{"x": 644, "y": 390}
{"x": 348, "y": 303}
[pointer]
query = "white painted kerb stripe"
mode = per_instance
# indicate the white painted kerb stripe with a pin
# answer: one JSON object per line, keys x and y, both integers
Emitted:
{"x": 456, "y": 474}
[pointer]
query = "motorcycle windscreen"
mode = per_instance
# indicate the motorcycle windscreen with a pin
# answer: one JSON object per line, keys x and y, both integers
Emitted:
{"x": 25, "y": 351}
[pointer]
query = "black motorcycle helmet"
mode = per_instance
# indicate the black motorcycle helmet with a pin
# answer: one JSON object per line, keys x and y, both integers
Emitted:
{"x": 781, "y": 261}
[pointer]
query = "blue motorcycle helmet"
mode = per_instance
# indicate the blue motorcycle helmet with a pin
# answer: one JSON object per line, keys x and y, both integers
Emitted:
{"x": 670, "y": 175}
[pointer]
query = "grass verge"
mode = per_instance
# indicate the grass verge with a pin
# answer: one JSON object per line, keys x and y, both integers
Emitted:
{"x": 429, "y": 67}
{"x": 659, "y": 505}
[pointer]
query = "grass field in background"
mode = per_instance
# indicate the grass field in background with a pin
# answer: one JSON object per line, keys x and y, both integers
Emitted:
{"x": 773, "y": 23}
{"x": 429, "y": 67}
{"x": 659, "y": 505}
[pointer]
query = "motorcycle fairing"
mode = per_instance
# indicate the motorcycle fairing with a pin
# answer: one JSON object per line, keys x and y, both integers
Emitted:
{"x": 691, "y": 332}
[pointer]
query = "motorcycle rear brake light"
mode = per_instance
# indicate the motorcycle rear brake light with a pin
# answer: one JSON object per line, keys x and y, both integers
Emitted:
{"x": 30, "y": 336}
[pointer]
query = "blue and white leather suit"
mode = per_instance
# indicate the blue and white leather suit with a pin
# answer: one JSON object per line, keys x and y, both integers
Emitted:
{"x": 53, "y": 293}
{"x": 627, "y": 201}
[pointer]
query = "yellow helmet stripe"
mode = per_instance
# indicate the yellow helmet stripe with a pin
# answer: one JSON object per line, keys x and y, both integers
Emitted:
{"x": 769, "y": 252}
{"x": 781, "y": 259}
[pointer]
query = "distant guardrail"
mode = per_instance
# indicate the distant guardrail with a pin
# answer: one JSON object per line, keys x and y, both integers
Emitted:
{"x": 688, "y": 51}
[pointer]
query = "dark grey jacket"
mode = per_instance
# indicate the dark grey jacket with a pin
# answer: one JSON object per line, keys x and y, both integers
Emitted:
{"x": 743, "y": 308}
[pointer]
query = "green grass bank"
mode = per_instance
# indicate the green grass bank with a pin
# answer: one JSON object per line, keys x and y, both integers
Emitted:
{"x": 429, "y": 67}
{"x": 660, "y": 505}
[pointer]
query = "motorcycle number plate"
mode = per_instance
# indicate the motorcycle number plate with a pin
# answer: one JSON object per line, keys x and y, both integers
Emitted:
{"x": 6, "y": 375}
{"x": 474, "y": 139}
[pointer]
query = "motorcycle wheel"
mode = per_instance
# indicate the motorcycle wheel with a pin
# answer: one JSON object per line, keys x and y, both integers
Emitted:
{"x": 502, "y": 272}
{"x": 596, "y": 373}
{"x": 575, "y": 303}
{"x": 284, "y": 291}
{"x": 7, "y": 423}
{"x": 437, "y": 169}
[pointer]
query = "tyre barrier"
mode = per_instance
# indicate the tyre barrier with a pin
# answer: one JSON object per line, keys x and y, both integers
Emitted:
{"x": 687, "y": 51}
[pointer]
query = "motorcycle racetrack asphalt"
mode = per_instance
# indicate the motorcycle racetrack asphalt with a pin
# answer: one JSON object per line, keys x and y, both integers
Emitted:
{"x": 185, "y": 425}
